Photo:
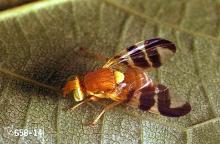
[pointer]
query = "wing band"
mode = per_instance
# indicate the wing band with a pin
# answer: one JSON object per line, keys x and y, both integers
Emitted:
{"x": 139, "y": 59}
{"x": 146, "y": 99}
{"x": 164, "y": 104}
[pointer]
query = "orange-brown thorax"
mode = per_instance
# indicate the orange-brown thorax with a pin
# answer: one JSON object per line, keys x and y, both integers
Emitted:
{"x": 103, "y": 83}
{"x": 101, "y": 80}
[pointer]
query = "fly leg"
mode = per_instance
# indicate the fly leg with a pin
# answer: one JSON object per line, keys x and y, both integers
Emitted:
{"x": 92, "y": 98}
{"x": 110, "y": 106}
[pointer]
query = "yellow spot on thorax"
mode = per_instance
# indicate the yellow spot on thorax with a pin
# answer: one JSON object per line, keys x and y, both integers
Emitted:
{"x": 119, "y": 76}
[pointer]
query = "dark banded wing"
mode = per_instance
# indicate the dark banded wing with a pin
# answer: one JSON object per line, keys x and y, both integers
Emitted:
{"x": 158, "y": 101}
{"x": 145, "y": 54}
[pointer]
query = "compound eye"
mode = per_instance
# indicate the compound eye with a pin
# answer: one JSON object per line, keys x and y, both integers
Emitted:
{"x": 78, "y": 95}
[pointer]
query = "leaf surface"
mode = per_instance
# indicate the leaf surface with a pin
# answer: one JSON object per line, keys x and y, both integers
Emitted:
{"x": 39, "y": 42}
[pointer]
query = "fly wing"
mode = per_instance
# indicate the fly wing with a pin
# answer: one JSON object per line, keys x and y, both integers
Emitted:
{"x": 159, "y": 101}
{"x": 146, "y": 54}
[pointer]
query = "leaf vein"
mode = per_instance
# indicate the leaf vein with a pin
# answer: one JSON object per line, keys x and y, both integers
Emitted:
{"x": 157, "y": 21}
{"x": 213, "y": 120}
{"x": 197, "y": 72}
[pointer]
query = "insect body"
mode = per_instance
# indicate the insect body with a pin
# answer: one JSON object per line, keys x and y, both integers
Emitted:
{"x": 123, "y": 80}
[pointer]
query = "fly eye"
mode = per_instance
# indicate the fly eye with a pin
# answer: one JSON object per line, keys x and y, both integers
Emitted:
{"x": 78, "y": 95}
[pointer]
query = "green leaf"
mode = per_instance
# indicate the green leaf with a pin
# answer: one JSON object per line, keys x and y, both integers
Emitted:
{"x": 38, "y": 46}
